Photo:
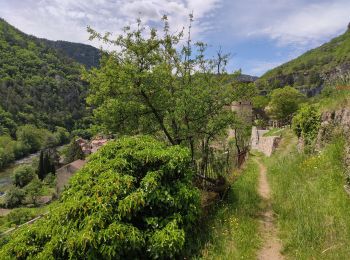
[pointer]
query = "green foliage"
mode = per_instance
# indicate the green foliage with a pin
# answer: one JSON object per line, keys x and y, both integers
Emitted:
{"x": 73, "y": 152}
{"x": 14, "y": 197}
{"x": 19, "y": 216}
{"x": 314, "y": 220}
{"x": 306, "y": 123}
{"x": 153, "y": 85}
{"x": 38, "y": 85}
{"x": 232, "y": 228}
{"x": 31, "y": 136}
{"x": 61, "y": 135}
{"x": 7, "y": 125}
{"x": 284, "y": 103}
{"x": 260, "y": 102}
{"x": 46, "y": 164}
{"x": 133, "y": 199}
{"x": 22, "y": 175}
{"x": 82, "y": 53}
{"x": 33, "y": 190}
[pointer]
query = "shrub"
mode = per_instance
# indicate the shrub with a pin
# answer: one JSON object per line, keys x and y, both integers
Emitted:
{"x": 306, "y": 123}
{"x": 33, "y": 190}
{"x": 23, "y": 175}
{"x": 14, "y": 197}
{"x": 19, "y": 216}
{"x": 73, "y": 152}
{"x": 31, "y": 137}
{"x": 62, "y": 135}
{"x": 134, "y": 199}
{"x": 50, "y": 180}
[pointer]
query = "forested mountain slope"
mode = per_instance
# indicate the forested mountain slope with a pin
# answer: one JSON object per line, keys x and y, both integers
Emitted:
{"x": 311, "y": 69}
{"x": 38, "y": 85}
{"x": 82, "y": 53}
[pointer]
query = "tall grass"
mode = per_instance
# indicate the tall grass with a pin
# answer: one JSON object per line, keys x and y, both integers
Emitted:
{"x": 231, "y": 231}
{"x": 309, "y": 199}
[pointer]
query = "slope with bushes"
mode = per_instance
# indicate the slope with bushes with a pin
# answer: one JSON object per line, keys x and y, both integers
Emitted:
{"x": 311, "y": 69}
{"x": 37, "y": 84}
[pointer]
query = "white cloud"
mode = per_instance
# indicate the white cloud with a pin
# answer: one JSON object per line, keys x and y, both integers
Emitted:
{"x": 257, "y": 68}
{"x": 68, "y": 19}
{"x": 298, "y": 22}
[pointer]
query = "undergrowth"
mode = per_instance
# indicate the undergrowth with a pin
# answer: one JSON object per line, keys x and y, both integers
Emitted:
{"x": 231, "y": 228}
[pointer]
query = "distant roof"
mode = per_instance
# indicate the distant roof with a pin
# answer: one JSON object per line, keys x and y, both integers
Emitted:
{"x": 77, "y": 164}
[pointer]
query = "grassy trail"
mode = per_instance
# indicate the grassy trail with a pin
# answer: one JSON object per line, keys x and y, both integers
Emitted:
{"x": 271, "y": 249}
{"x": 310, "y": 202}
{"x": 301, "y": 208}
{"x": 233, "y": 231}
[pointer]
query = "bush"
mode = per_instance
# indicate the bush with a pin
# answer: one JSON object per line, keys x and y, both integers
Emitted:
{"x": 19, "y": 216}
{"x": 31, "y": 137}
{"x": 33, "y": 190}
{"x": 134, "y": 199}
{"x": 50, "y": 180}
{"x": 62, "y": 135}
{"x": 7, "y": 154}
{"x": 14, "y": 197}
{"x": 73, "y": 152}
{"x": 306, "y": 123}
{"x": 23, "y": 175}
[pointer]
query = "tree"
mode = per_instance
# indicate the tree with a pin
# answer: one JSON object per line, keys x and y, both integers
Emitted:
{"x": 133, "y": 200}
{"x": 14, "y": 197}
{"x": 73, "y": 152}
{"x": 31, "y": 136}
{"x": 306, "y": 123}
{"x": 23, "y": 175}
{"x": 152, "y": 85}
{"x": 46, "y": 164}
{"x": 284, "y": 102}
{"x": 33, "y": 190}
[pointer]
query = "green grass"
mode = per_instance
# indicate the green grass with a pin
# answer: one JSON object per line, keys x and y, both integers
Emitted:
{"x": 232, "y": 231}
{"x": 273, "y": 132}
{"x": 310, "y": 201}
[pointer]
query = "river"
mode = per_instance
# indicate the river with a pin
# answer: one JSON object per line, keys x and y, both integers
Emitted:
{"x": 7, "y": 172}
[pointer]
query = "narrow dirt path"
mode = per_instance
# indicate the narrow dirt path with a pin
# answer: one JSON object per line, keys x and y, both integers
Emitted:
{"x": 271, "y": 249}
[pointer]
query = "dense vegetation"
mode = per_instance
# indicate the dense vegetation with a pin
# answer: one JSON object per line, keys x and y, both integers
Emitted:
{"x": 284, "y": 102}
{"x": 29, "y": 139}
{"x": 153, "y": 85}
{"x": 37, "y": 85}
{"x": 311, "y": 69}
{"x": 82, "y": 53}
{"x": 133, "y": 199}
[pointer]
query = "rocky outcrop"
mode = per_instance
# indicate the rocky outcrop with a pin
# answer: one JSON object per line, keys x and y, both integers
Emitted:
{"x": 332, "y": 123}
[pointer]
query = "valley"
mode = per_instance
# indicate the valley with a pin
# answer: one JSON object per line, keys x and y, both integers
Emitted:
{"x": 153, "y": 148}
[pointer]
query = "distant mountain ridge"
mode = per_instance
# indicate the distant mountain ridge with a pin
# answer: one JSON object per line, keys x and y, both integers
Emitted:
{"x": 82, "y": 53}
{"x": 309, "y": 71}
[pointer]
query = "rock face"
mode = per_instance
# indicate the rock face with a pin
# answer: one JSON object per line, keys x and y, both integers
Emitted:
{"x": 264, "y": 144}
{"x": 336, "y": 122}
{"x": 333, "y": 122}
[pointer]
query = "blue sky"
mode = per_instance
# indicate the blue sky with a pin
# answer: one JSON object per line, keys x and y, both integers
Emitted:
{"x": 260, "y": 34}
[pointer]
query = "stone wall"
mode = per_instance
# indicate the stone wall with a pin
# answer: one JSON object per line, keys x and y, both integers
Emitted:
{"x": 264, "y": 144}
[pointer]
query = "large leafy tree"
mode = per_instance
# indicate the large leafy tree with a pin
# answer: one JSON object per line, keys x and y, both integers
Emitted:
{"x": 151, "y": 84}
{"x": 284, "y": 103}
